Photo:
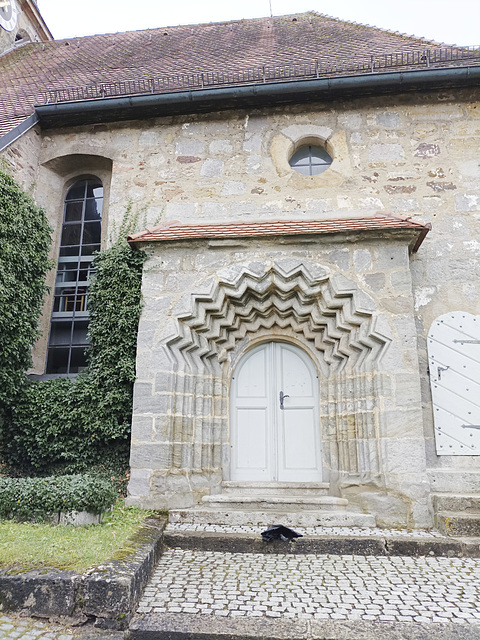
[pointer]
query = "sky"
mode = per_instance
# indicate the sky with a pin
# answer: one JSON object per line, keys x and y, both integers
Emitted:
{"x": 448, "y": 21}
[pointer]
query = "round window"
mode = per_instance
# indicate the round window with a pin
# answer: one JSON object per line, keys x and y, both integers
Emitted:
{"x": 310, "y": 160}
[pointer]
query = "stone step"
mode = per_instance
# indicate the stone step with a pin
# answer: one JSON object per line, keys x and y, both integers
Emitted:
{"x": 444, "y": 502}
{"x": 458, "y": 524}
{"x": 275, "y": 488}
{"x": 448, "y": 481}
{"x": 341, "y": 541}
{"x": 290, "y": 518}
{"x": 185, "y": 626}
{"x": 275, "y": 503}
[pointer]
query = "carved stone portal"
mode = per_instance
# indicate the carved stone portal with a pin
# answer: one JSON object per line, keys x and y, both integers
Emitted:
{"x": 180, "y": 439}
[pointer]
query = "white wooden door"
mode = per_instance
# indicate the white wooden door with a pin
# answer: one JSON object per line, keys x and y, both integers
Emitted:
{"x": 275, "y": 433}
{"x": 454, "y": 364}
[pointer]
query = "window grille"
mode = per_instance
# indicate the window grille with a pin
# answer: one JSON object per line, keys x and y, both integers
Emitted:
{"x": 81, "y": 233}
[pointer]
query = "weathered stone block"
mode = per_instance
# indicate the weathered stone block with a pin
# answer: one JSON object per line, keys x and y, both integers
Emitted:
{"x": 399, "y": 189}
{"x": 253, "y": 141}
{"x": 362, "y": 260}
{"x": 376, "y": 281}
{"x": 146, "y": 333}
{"x": 405, "y": 205}
{"x": 407, "y": 391}
{"x": 188, "y": 159}
{"x": 139, "y": 484}
{"x": 390, "y": 510}
{"x": 403, "y": 455}
{"x": 243, "y": 208}
{"x": 386, "y": 153}
{"x": 389, "y": 119}
{"x": 427, "y": 150}
{"x": 341, "y": 258}
{"x": 214, "y": 209}
{"x": 399, "y": 305}
{"x": 233, "y": 188}
{"x": 391, "y": 257}
{"x": 401, "y": 281}
{"x": 179, "y": 210}
{"x": 154, "y": 403}
{"x": 212, "y": 168}
{"x": 142, "y": 428}
{"x": 220, "y": 146}
{"x": 467, "y": 202}
{"x": 151, "y": 456}
{"x": 189, "y": 148}
{"x": 254, "y": 164}
{"x": 350, "y": 120}
{"x": 318, "y": 206}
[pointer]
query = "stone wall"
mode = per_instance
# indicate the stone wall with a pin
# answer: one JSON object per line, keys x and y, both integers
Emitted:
{"x": 20, "y": 159}
{"x": 412, "y": 155}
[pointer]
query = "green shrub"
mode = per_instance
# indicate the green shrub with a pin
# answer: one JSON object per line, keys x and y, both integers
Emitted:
{"x": 24, "y": 245}
{"x": 38, "y": 498}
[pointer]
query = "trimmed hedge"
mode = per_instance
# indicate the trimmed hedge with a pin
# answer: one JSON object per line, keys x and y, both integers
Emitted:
{"x": 38, "y": 498}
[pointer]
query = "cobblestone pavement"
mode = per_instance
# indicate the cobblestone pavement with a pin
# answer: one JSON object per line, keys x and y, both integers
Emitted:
{"x": 309, "y": 531}
{"x": 397, "y": 589}
{"x": 14, "y": 628}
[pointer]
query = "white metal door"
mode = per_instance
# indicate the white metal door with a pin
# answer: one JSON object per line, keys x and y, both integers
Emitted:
{"x": 454, "y": 363}
{"x": 275, "y": 434}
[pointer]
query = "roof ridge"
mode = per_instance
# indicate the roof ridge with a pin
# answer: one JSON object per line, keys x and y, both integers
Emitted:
{"x": 249, "y": 21}
{"x": 177, "y": 26}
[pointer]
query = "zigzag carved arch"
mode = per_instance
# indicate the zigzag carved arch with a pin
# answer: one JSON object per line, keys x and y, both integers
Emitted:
{"x": 330, "y": 311}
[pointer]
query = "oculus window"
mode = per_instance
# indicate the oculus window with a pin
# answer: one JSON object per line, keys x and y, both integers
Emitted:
{"x": 81, "y": 232}
{"x": 310, "y": 160}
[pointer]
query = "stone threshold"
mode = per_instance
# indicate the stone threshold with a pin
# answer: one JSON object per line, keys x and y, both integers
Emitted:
{"x": 374, "y": 545}
{"x": 106, "y": 595}
{"x": 178, "y": 626}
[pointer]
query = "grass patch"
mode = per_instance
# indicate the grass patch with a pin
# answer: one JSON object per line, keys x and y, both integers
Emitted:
{"x": 28, "y": 546}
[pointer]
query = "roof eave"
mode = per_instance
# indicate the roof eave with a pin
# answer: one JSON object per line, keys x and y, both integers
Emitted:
{"x": 255, "y": 95}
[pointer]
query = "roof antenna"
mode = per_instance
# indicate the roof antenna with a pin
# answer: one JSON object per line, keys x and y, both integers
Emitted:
{"x": 271, "y": 12}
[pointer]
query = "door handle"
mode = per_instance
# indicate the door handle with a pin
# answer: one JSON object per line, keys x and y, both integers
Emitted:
{"x": 439, "y": 371}
{"x": 282, "y": 398}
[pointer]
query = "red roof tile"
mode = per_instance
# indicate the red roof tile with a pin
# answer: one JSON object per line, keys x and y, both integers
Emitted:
{"x": 177, "y": 231}
{"x": 141, "y": 55}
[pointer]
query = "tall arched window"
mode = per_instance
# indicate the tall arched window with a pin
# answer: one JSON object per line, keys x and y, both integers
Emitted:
{"x": 81, "y": 232}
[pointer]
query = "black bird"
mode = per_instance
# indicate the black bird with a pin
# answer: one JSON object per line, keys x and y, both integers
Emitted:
{"x": 280, "y": 532}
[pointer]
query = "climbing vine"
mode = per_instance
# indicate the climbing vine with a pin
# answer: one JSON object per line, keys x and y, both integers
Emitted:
{"x": 24, "y": 247}
{"x": 71, "y": 426}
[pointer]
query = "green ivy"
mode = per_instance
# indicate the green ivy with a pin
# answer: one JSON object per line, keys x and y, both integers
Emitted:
{"x": 24, "y": 245}
{"x": 70, "y": 426}
{"x": 38, "y": 498}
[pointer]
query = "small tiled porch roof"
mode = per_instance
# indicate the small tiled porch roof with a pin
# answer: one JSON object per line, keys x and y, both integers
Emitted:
{"x": 379, "y": 222}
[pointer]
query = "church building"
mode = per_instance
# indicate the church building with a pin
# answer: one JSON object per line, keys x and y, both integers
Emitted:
{"x": 309, "y": 191}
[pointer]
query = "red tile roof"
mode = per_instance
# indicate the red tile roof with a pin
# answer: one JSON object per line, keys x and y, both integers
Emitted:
{"x": 177, "y": 231}
{"x": 141, "y": 55}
